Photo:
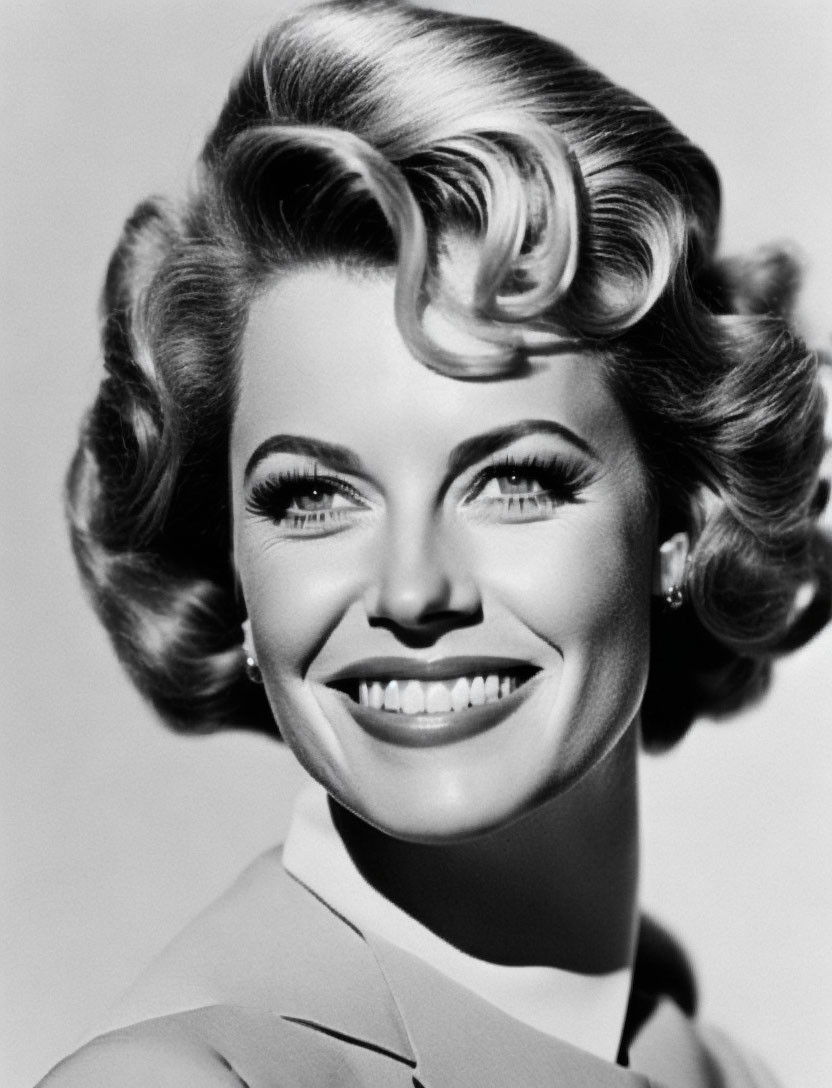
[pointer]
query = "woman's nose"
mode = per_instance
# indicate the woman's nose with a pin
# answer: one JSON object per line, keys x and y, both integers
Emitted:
{"x": 423, "y": 582}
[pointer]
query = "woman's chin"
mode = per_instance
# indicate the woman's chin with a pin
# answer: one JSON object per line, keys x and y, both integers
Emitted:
{"x": 436, "y": 820}
{"x": 428, "y": 779}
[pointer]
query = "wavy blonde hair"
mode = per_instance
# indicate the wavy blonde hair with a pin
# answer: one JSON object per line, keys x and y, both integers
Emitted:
{"x": 374, "y": 134}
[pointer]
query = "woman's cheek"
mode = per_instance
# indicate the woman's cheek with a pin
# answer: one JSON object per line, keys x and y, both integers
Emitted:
{"x": 562, "y": 580}
{"x": 296, "y": 592}
{"x": 583, "y": 586}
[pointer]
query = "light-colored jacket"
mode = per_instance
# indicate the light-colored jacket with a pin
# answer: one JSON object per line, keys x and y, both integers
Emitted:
{"x": 271, "y": 988}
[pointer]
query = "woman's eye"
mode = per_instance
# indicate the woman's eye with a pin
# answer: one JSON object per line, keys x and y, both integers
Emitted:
{"x": 316, "y": 499}
{"x": 511, "y": 483}
{"x": 527, "y": 490}
{"x": 301, "y": 502}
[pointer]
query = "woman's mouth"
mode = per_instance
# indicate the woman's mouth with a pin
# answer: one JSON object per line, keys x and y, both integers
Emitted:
{"x": 421, "y": 704}
{"x": 403, "y": 696}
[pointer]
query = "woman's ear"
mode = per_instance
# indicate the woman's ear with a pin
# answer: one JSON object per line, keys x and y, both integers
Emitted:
{"x": 669, "y": 569}
{"x": 248, "y": 644}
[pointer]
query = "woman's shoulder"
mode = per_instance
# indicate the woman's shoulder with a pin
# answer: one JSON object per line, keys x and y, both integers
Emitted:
{"x": 672, "y": 1049}
{"x": 242, "y": 949}
{"x": 160, "y": 1031}
{"x": 267, "y": 944}
{"x": 225, "y": 1046}
{"x": 158, "y": 1053}
{"x": 270, "y": 986}
{"x": 231, "y": 999}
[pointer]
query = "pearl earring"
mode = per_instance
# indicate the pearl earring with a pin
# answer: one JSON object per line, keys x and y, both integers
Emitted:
{"x": 252, "y": 670}
{"x": 673, "y": 557}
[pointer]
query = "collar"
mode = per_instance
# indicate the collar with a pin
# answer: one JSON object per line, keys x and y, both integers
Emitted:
{"x": 587, "y": 1011}
{"x": 273, "y": 950}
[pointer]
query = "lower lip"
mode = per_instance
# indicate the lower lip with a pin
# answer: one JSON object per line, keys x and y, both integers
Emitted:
{"x": 432, "y": 730}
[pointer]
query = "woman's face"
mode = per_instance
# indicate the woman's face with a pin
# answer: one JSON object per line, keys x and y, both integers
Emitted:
{"x": 447, "y": 580}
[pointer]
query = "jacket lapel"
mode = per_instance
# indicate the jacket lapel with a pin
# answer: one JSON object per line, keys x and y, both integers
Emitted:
{"x": 381, "y": 997}
{"x": 271, "y": 947}
{"x": 460, "y": 1039}
{"x": 311, "y": 942}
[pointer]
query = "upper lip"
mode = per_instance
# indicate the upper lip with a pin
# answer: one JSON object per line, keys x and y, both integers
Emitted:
{"x": 445, "y": 668}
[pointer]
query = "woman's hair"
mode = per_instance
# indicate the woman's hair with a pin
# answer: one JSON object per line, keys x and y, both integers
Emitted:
{"x": 374, "y": 135}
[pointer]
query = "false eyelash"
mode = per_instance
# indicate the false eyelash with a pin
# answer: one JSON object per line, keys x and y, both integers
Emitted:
{"x": 272, "y": 497}
{"x": 562, "y": 478}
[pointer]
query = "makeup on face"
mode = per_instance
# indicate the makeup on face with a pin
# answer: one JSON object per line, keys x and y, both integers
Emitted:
{"x": 315, "y": 493}
{"x": 447, "y": 581}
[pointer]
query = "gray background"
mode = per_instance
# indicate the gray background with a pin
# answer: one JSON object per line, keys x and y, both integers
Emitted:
{"x": 114, "y": 832}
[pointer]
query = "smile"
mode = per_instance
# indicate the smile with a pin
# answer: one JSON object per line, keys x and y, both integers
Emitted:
{"x": 403, "y": 696}
{"x": 421, "y": 704}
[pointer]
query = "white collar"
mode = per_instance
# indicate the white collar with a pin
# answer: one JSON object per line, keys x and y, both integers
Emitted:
{"x": 585, "y": 1010}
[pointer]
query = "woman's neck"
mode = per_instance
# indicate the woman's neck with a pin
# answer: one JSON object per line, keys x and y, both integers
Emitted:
{"x": 556, "y": 888}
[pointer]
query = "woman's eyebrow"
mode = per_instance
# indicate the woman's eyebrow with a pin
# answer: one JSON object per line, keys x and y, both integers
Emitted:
{"x": 483, "y": 445}
{"x": 337, "y": 457}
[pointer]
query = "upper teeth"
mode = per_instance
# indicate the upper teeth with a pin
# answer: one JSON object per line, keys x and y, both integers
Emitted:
{"x": 434, "y": 696}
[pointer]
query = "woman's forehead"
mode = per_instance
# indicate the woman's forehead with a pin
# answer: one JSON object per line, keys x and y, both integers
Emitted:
{"x": 322, "y": 354}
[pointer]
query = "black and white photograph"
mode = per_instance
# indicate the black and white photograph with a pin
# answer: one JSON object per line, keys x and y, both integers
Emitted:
{"x": 417, "y": 544}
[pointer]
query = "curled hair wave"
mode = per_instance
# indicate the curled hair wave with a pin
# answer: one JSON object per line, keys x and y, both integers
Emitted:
{"x": 376, "y": 135}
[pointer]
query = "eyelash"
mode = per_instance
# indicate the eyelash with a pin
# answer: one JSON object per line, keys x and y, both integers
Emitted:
{"x": 273, "y": 498}
{"x": 561, "y": 479}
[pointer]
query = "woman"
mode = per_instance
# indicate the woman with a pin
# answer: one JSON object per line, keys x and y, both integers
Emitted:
{"x": 436, "y": 438}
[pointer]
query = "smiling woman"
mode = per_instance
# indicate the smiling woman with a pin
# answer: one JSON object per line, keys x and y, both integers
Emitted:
{"x": 437, "y": 442}
{"x": 440, "y": 520}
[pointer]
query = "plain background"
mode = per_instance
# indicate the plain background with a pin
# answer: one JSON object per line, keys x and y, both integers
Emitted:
{"x": 114, "y": 832}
